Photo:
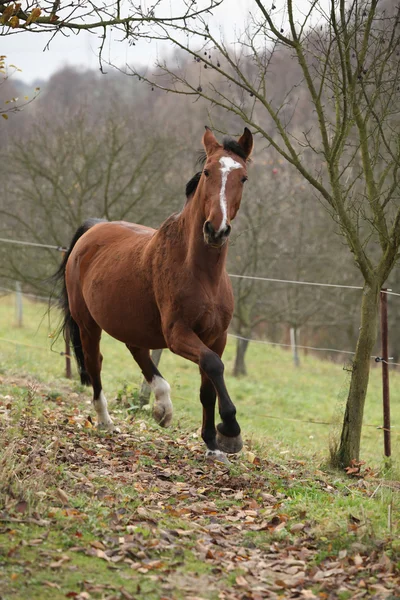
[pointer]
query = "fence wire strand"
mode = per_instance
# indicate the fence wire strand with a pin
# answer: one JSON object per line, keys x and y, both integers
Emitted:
{"x": 239, "y": 337}
{"x": 253, "y": 277}
{"x": 294, "y": 281}
{"x": 37, "y": 244}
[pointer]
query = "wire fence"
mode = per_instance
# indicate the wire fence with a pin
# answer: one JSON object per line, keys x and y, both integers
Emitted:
{"x": 387, "y": 430}
{"x": 233, "y": 275}
{"x": 318, "y": 349}
{"x": 37, "y": 244}
{"x": 232, "y": 335}
{"x": 311, "y": 283}
{"x": 237, "y": 276}
{"x": 34, "y": 296}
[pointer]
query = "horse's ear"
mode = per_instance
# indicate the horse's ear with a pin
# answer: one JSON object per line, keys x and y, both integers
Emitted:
{"x": 246, "y": 142}
{"x": 210, "y": 142}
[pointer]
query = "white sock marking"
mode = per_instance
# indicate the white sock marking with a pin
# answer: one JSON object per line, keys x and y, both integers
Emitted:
{"x": 218, "y": 456}
{"x": 100, "y": 406}
{"x": 161, "y": 389}
{"x": 227, "y": 165}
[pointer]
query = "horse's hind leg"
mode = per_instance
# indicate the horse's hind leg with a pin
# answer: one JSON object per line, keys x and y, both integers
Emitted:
{"x": 90, "y": 338}
{"x": 162, "y": 409}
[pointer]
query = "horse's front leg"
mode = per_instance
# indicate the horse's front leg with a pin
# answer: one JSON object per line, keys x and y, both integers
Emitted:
{"x": 228, "y": 436}
{"x": 208, "y": 397}
{"x": 183, "y": 341}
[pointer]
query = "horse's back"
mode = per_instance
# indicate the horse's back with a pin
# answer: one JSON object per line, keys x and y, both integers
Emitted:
{"x": 142, "y": 230}
{"x": 107, "y": 273}
{"x": 107, "y": 232}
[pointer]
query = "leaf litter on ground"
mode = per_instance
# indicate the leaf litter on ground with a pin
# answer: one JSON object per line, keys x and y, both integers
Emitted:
{"x": 145, "y": 502}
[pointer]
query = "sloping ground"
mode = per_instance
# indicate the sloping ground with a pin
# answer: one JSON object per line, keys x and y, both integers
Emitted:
{"x": 142, "y": 515}
{"x": 276, "y": 401}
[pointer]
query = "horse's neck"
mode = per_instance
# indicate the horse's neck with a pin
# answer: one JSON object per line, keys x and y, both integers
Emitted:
{"x": 202, "y": 259}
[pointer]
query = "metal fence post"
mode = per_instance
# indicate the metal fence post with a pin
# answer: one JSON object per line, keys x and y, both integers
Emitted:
{"x": 385, "y": 373}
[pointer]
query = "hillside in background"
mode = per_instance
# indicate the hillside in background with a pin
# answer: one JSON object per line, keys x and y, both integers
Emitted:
{"x": 85, "y": 127}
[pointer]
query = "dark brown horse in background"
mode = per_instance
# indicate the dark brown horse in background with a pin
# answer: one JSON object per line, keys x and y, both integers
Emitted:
{"x": 164, "y": 288}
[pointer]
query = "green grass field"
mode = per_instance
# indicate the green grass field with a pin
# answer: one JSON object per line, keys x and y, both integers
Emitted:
{"x": 141, "y": 515}
{"x": 273, "y": 388}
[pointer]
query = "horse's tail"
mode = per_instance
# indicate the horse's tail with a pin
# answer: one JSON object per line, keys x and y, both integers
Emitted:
{"x": 68, "y": 325}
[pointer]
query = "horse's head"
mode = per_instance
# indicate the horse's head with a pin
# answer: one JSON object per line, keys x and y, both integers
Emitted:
{"x": 222, "y": 181}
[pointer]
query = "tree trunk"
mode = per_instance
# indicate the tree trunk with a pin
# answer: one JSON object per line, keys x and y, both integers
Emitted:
{"x": 240, "y": 366}
{"x": 349, "y": 448}
{"x": 145, "y": 390}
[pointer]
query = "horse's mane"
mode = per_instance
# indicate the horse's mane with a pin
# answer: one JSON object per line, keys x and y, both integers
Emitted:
{"x": 191, "y": 185}
{"x": 230, "y": 145}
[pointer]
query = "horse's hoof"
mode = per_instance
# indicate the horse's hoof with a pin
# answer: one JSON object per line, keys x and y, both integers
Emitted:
{"x": 230, "y": 445}
{"x": 217, "y": 456}
{"x": 108, "y": 427}
{"x": 162, "y": 414}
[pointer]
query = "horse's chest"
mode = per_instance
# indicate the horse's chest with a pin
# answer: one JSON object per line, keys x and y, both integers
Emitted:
{"x": 214, "y": 319}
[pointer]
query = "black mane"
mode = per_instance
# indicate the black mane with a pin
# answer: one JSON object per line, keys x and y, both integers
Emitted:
{"x": 191, "y": 185}
{"x": 230, "y": 145}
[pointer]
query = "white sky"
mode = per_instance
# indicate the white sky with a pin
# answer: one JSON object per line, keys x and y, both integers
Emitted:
{"x": 27, "y": 50}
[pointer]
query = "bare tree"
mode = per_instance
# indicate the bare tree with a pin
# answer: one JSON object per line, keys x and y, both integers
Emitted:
{"x": 349, "y": 77}
{"x": 129, "y": 20}
{"x": 78, "y": 163}
{"x": 283, "y": 233}
{"x": 9, "y": 101}
{"x": 256, "y": 249}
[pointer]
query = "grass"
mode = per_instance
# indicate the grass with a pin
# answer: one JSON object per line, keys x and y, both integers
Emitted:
{"x": 273, "y": 391}
{"x": 141, "y": 515}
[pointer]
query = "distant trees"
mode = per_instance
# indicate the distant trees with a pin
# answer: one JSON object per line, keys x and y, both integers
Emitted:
{"x": 282, "y": 233}
{"x": 75, "y": 162}
{"x": 339, "y": 100}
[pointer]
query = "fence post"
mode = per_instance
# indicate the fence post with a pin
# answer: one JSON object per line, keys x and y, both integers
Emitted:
{"x": 145, "y": 390}
{"x": 18, "y": 304}
{"x": 385, "y": 373}
{"x": 293, "y": 343}
{"x": 68, "y": 372}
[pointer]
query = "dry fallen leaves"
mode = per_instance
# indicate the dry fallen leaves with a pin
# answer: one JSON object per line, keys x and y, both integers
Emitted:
{"x": 185, "y": 506}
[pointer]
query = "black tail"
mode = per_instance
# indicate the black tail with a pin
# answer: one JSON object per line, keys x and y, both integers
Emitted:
{"x": 69, "y": 326}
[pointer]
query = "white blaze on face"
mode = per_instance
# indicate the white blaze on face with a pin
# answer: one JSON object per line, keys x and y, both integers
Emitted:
{"x": 227, "y": 165}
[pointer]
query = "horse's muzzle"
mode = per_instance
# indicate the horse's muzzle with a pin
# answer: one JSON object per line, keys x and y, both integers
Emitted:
{"x": 214, "y": 238}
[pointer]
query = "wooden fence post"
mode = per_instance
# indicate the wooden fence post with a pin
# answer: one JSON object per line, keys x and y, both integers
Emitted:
{"x": 18, "y": 304}
{"x": 293, "y": 343}
{"x": 68, "y": 371}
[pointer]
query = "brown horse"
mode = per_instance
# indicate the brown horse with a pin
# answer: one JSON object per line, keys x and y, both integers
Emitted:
{"x": 164, "y": 288}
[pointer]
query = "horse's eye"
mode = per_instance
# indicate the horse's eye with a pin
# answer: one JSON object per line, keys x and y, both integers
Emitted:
{"x": 206, "y": 172}
{"x": 244, "y": 179}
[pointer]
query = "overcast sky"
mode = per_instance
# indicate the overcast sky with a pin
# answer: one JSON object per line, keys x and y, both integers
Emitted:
{"x": 27, "y": 50}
